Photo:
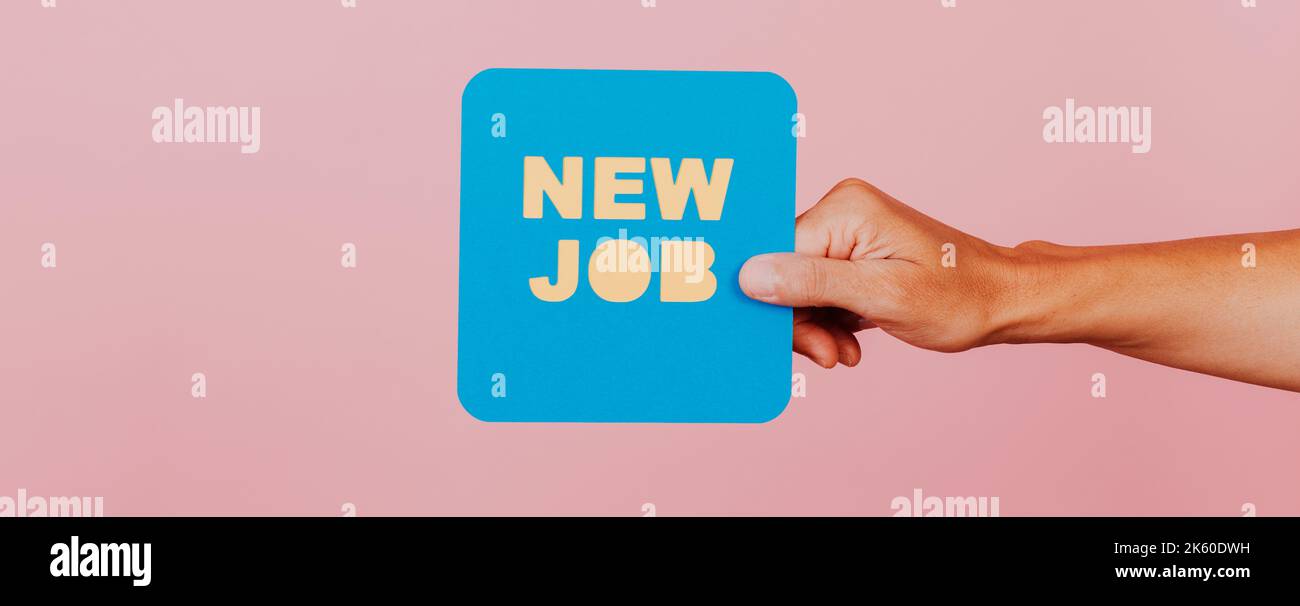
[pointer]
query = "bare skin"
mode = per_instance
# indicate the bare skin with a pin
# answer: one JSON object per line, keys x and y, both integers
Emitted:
{"x": 864, "y": 260}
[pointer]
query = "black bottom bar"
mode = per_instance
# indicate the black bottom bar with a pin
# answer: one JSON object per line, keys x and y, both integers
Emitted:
{"x": 194, "y": 556}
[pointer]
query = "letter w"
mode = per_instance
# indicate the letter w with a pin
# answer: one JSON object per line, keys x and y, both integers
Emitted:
{"x": 710, "y": 193}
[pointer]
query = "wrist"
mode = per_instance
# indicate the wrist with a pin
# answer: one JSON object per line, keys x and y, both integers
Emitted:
{"x": 1047, "y": 293}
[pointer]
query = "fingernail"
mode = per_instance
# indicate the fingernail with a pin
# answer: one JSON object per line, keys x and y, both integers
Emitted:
{"x": 758, "y": 277}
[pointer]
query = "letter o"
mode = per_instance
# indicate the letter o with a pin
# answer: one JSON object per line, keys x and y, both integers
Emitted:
{"x": 628, "y": 279}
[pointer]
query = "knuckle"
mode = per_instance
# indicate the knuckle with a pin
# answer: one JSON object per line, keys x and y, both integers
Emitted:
{"x": 854, "y": 194}
{"x": 852, "y": 184}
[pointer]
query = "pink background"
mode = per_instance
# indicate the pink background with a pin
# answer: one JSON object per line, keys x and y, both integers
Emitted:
{"x": 328, "y": 385}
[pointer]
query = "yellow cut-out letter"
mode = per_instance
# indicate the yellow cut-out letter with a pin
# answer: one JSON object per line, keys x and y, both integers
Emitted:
{"x": 623, "y": 279}
{"x": 566, "y": 276}
{"x": 710, "y": 193}
{"x": 684, "y": 275}
{"x": 566, "y": 195}
{"x": 608, "y": 185}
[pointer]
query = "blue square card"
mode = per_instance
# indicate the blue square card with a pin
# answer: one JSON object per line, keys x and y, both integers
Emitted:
{"x": 604, "y": 217}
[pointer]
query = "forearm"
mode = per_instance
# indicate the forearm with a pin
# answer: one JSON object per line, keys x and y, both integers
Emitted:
{"x": 1189, "y": 304}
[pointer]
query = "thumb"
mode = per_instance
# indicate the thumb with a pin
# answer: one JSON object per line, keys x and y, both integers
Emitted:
{"x": 798, "y": 280}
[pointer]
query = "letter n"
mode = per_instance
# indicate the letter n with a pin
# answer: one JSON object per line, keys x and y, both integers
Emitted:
{"x": 565, "y": 195}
